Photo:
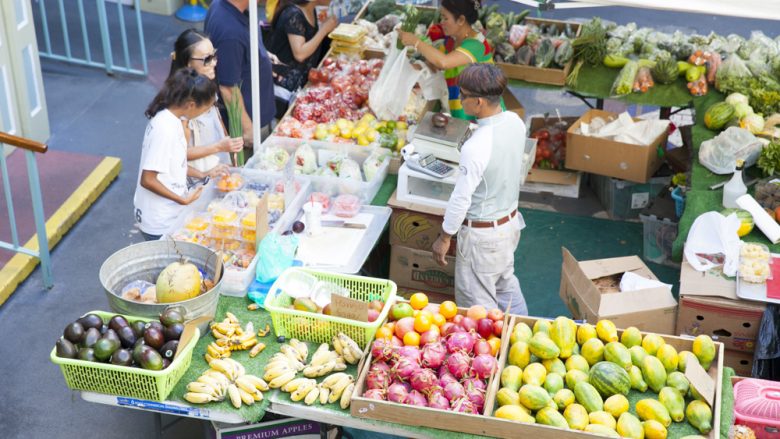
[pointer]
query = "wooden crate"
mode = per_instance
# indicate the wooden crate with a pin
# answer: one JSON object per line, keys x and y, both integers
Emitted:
{"x": 534, "y": 74}
{"x": 487, "y": 425}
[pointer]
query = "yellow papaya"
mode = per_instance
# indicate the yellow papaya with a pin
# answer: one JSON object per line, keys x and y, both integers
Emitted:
{"x": 674, "y": 402}
{"x": 543, "y": 347}
{"x": 576, "y": 416}
{"x": 552, "y": 417}
{"x": 512, "y": 377}
{"x": 534, "y": 374}
{"x": 616, "y": 405}
{"x": 577, "y": 362}
{"x": 519, "y": 354}
{"x": 563, "y": 398}
{"x": 574, "y": 376}
{"x": 603, "y": 418}
{"x": 563, "y": 333}
{"x": 521, "y": 332}
{"x": 652, "y": 409}
{"x": 631, "y": 336}
{"x": 606, "y": 331}
{"x": 699, "y": 415}
{"x": 593, "y": 351}
{"x": 668, "y": 356}
{"x": 585, "y": 332}
{"x": 704, "y": 350}
{"x": 514, "y": 413}
{"x": 654, "y": 373}
{"x": 507, "y": 396}
{"x": 554, "y": 365}
{"x": 542, "y": 325}
{"x": 637, "y": 380}
{"x": 602, "y": 430}
{"x": 628, "y": 426}
{"x": 683, "y": 357}
{"x": 654, "y": 429}
{"x": 652, "y": 342}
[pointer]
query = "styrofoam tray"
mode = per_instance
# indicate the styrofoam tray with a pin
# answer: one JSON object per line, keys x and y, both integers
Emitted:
{"x": 753, "y": 291}
{"x": 375, "y": 218}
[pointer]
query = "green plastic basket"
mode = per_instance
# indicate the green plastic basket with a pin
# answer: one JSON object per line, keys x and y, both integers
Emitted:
{"x": 321, "y": 328}
{"x": 133, "y": 382}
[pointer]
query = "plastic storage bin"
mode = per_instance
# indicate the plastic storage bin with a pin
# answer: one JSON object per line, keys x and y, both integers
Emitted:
{"x": 623, "y": 199}
{"x": 679, "y": 201}
{"x": 133, "y": 382}
{"x": 659, "y": 235}
{"x": 329, "y": 185}
{"x": 321, "y": 328}
{"x": 757, "y": 405}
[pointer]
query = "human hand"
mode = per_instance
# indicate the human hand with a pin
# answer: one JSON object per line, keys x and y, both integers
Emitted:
{"x": 231, "y": 144}
{"x": 440, "y": 248}
{"x": 407, "y": 38}
{"x": 193, "y": 195}
{"x": 248, "y": 140}
{"x": 330, "y": 24}
{"x": 216, "y": 171}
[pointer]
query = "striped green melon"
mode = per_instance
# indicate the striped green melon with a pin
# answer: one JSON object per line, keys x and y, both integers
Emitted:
{"x": 609, "y": 379}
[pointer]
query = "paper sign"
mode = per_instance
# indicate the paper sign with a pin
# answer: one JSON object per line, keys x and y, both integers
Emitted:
{"x": 701, "y": 381}
{"x": 189, "y": 332}
{"x": 347, "y": 308}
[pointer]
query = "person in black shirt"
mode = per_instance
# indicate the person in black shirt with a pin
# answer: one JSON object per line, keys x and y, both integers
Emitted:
{"x": 297, "y": 40}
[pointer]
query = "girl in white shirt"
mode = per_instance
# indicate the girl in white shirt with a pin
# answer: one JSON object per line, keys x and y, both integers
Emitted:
{"x": 161, "y": 191}
{"x": 208, "y": 141}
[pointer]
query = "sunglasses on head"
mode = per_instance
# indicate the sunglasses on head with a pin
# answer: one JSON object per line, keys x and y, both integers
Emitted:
{"x": 208, "y": 59}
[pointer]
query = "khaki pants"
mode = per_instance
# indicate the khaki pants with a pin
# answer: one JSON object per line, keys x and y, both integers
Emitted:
{"x": 485, "y": 267}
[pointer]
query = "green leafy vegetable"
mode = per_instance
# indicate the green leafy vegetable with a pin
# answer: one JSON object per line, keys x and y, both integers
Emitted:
{"x": 769, "y": 161}
{"x": 411, "y": 19}
{"x": 235, "y": 113}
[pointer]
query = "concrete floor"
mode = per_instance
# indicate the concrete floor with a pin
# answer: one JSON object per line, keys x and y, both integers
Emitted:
{"x": 98, "y": 114}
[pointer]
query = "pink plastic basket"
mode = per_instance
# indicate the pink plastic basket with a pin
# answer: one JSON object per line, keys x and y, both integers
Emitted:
{"x": 757, "y": 405}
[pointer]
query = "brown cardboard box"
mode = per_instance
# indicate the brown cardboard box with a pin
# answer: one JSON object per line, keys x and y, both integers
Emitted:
{"x": 709, "y": 305}
{"x": 651, "y": 310}
{"x": 415, "y": 269}
{"x": 635, "y": 163}
{"x": 416, "y": 226}
{"x": 551, "y": 176}
{"x": 513, "y": 104}
{"x": 741, "y": 362}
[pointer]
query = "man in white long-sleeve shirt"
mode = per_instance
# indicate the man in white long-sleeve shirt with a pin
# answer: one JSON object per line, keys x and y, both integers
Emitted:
{"x": 482, "y": 209}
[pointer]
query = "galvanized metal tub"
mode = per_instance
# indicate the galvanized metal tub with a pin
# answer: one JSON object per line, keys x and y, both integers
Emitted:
{"x": 145, "y": 261}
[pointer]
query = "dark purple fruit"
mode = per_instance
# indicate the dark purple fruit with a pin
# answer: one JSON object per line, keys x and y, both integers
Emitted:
{"x": 90, "y": 338}
{"x": 154, "y": 337}
{"x": 127, "y": 337}
{"x": 151, "y": 360}
{"x": 298, "y": 227}
{"x": 173, "y": 332}
{"x": 166, "y": 363}
{"x": 112, "y": 335}
{"x": 117, "y": 322}
{"x": 138, "y": 328}
{"x": 104, "y": 348}
{"x": 287, "y": 233}
{"x": 103, "y": 329}
{"x": 122, "y": 357}
{"x": 440, "y": 120}
{"x": 91, "y": 321}
{"x": 87, "y": 354}
{"x": 74, "y": 332}
{"x": 66, "y": 349}
{"x": 169, "y": 349}
{"x": 171, "y": 316}
{"x": 138, "y": 350}
{"x": 154, "y": 324}
{"x": 139, "y": 341}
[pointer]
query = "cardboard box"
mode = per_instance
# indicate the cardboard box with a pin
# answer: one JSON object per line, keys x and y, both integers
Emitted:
{"x": 415, "y": 225}
{"x": 741, "y": 362}
{"x": 416, "y": 269}
{"x": 552, "y": 76}
{"x": 626, "y": 161}
{"x": 651, "y": 310}
{"x": 709, "y": 305}
{"x": 487, "y": 425}
{"x": 291, "y": 428}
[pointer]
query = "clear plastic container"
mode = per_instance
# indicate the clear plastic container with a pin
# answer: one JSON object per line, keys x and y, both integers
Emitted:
{"x": 346, "y": 206}
{"x": 224, "y": 223}
{"x": 757, "y": 405}
{"x": 329, "y": 185}
{"x": 754, "y": 262}
{"x": 198, "y": 223}
{"x": 348, "y": 33}
{"x": 659, "y": 236}
{"x": 297, "y": 284}
{"x": 230, "y": 182}
{"x": 249, "y": 227}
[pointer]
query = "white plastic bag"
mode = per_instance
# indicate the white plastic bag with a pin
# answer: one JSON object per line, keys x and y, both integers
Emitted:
{"x": 720, "y": 154}
{"x": 634, "y": 282}
{"x": 434, "y": 87}
{"x": 389, "y": 94}
{"x": 713, "y": 234}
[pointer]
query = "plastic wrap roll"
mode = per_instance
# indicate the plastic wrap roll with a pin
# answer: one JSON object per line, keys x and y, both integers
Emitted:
{"x": 762, "y": 219}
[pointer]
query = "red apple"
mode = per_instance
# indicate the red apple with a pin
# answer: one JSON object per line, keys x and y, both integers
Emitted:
{"x": 376, "y": 305}
{"x": 403, "y": 326}
{"x": 458, "y": 318}
{"x": 372, "y": 315}
{"x": 469, "y": 324}
{"x": 498, "y": 326}
{"x": 485, "y": 327}
{"x": 495, "y": 314}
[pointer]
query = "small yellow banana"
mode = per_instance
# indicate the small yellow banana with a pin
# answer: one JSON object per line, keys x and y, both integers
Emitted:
{"x": 324, "y": 394}
{"x": 246, "y": 397}
{"x": 257, "y": 382}
{"x": 337, "y": 389}
{"x": 346, "y": 354}
{"x": 341, "y": 365}
{"x": 301, "y": 348}
{"x": 337, "y": 345}
{"x": 198, "y": 398}
{"x": 235, "y": 395}
{"x": 198, "y": 387}
{"x": 290, "y": 352}
{"x": 312, "y": 396}
{"x": 319, "y": 371}
{"x": 293, "y": 385}
{"x": 282, "y": 380}
{"x": 322, "y": 355}
{"x": 332, "y": 379}
{"x": 257, "y": 395}
{"x": 346, "y": 396}
{"x": 351, "y": 347}
{"x": 222, "y": 365}
{"x": 303, "y": 390}
{"x": 272, "y": 374}
{"x": 238, "y": 368}
{"x": 246, "y": 385}
{"x": 231, "y": 317}
{"x": 259, "y": 347}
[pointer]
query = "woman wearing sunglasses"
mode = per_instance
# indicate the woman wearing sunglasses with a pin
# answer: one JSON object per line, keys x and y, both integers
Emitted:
{"x": 209, "y": 143}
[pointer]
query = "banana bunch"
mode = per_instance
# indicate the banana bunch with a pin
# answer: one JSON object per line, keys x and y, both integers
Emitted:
{"x": 230, "y": 336}
{"x": 338, "y": 387}
{"x": 226, "y": 378}
{"x": 284, "y": 365}
{"x": 323, "y": 362}
{"x": 347, "y": 348}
